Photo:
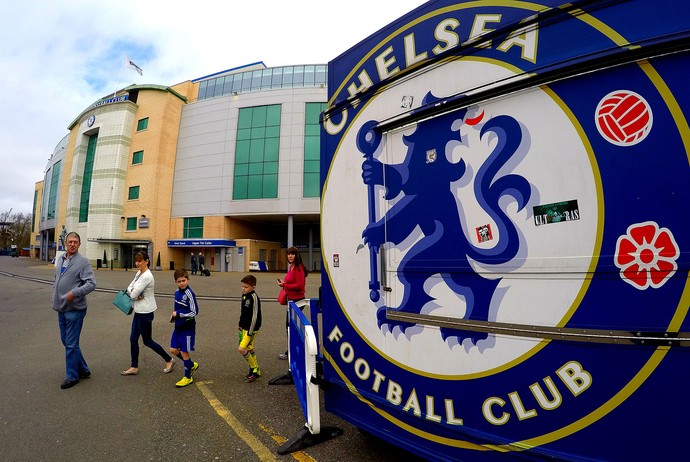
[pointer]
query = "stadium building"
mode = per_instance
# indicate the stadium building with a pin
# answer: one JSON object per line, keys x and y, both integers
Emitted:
{"x": 226, "y": 165}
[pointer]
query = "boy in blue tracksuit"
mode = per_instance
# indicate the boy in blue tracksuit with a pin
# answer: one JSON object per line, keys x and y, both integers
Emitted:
{"x": 184, "y": 317}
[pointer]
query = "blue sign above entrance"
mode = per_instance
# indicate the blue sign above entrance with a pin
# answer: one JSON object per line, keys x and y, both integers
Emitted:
{"x": 201, "y": 243}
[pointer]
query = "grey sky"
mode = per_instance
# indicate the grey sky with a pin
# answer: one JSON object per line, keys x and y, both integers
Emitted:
{"x": 58, "y": 57}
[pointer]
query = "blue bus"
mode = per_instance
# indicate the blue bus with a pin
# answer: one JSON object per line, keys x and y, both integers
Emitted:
{"x": 505, "y": 233}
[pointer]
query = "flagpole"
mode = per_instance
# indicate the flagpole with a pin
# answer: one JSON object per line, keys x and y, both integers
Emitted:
{"x": 119, "y": 76}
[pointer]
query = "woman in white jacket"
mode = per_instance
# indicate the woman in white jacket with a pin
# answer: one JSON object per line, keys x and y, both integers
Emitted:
{"x": 140, "y": 290}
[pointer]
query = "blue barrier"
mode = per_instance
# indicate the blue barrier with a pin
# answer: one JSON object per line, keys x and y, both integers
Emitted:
{"x": 303, "y": 349}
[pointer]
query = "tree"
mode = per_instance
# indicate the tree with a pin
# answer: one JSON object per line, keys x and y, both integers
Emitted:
{"x": 15, "y": 229}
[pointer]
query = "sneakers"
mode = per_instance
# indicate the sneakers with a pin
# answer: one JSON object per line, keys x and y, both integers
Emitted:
{"x": 184, "y": 382}
{"x": 253, "y": 375}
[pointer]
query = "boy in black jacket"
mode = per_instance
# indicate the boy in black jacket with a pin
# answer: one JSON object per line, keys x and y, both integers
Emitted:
{"x": 249, "y": 325}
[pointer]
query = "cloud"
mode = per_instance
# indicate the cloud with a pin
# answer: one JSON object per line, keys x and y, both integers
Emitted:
{"x": 60, "y": 57}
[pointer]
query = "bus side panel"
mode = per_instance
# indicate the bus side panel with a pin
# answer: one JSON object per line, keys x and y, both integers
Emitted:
{"x": 506, "y": 264}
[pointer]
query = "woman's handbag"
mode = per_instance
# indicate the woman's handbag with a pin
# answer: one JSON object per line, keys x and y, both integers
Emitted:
{"x": 282, "y": 297}
{"x": 123, "y": 302}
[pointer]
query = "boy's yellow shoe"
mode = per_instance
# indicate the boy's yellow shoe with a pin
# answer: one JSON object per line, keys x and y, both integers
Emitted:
{"x": 195, "y": 366}
{"x": 184, "y": 382}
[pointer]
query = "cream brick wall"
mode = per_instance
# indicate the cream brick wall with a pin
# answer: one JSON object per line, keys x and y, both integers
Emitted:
{"x": 113, "y": 172}
{"x": 113, "y": 125}
{"x": 36, "y": 229}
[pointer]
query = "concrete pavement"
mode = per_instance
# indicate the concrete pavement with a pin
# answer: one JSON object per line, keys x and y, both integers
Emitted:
{"x": 145, "y": 417}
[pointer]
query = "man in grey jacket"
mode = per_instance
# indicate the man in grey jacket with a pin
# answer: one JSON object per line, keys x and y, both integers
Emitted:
{"x": 74, "y": 279}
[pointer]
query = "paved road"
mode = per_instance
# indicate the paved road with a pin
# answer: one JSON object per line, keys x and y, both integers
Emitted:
{"x": 145, "y": 417}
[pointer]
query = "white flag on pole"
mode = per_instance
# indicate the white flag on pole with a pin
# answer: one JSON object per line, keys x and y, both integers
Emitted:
{"x": 129, "y": 63}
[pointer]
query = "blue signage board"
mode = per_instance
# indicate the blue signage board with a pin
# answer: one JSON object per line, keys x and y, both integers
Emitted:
{"x": 503, "y": 230}
{"x": 114, "y": 99}
{"x": 201, "y": 243}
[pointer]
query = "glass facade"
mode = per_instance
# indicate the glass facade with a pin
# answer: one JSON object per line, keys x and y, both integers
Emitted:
{"x": 86, "y": 182}
{"x": 312, "y": 149}
{"x": 256, "y": 153}
{"x": 193, "y": 228}
{"x": 264, "y": 79}
{"x": 52, "y": 195}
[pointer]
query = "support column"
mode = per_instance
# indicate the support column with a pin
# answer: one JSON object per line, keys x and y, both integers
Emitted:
{"x": 311, "y": 247}
{"x": 290, "y": 231}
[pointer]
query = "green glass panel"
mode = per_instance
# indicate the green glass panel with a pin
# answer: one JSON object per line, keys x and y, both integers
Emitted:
{"x": 312, "y": 130}
{"x": 271, "y": 149}
{"x": 193, "y": 227}
{"x": 255, "y": 187}
{"x": 54, "y": 181}
{"x": 86, "y": 181}
{"x": 311, "y": 166}
{"x": 241, "y": 169}
{"x": 256, "y": 151}
{"x": 131, "y": 224}
{"x": 312, "y": 111}
{"x": 270, "y": 189}
{"x": 239, "y": 189}
{"x": 137, "y": 157}
{"x": 273, "y": 132}
{"x": 311, "y": 185}
{"x": 273, "y": 116}
{"x": 143, "y": 124}
{"x": 244, "y": 118}
{"x": 257, "y": 154}
{"x": 259, "y": 116}
{"x": 242, "y": 152}
{"x": 256, "y": 168}
{"x": 258, "y": 132}
{"x": 311, "y": 148}
{"x": 244, "y": 133}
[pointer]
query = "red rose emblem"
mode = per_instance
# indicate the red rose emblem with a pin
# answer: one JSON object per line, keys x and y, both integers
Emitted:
{"x": 646, "y": 255}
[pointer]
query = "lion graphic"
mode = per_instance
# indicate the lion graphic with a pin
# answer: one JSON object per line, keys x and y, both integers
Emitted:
{"x": 424, "y": 202}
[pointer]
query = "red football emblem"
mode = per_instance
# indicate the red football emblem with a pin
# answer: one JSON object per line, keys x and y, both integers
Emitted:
{"x": 624, "y": 118}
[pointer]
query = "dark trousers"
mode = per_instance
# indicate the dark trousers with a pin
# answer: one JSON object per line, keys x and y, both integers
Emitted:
{"x": 142, "y": 326}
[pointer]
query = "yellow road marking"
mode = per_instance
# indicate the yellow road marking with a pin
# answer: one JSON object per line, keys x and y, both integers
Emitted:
{"x": 264, "y": 453}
